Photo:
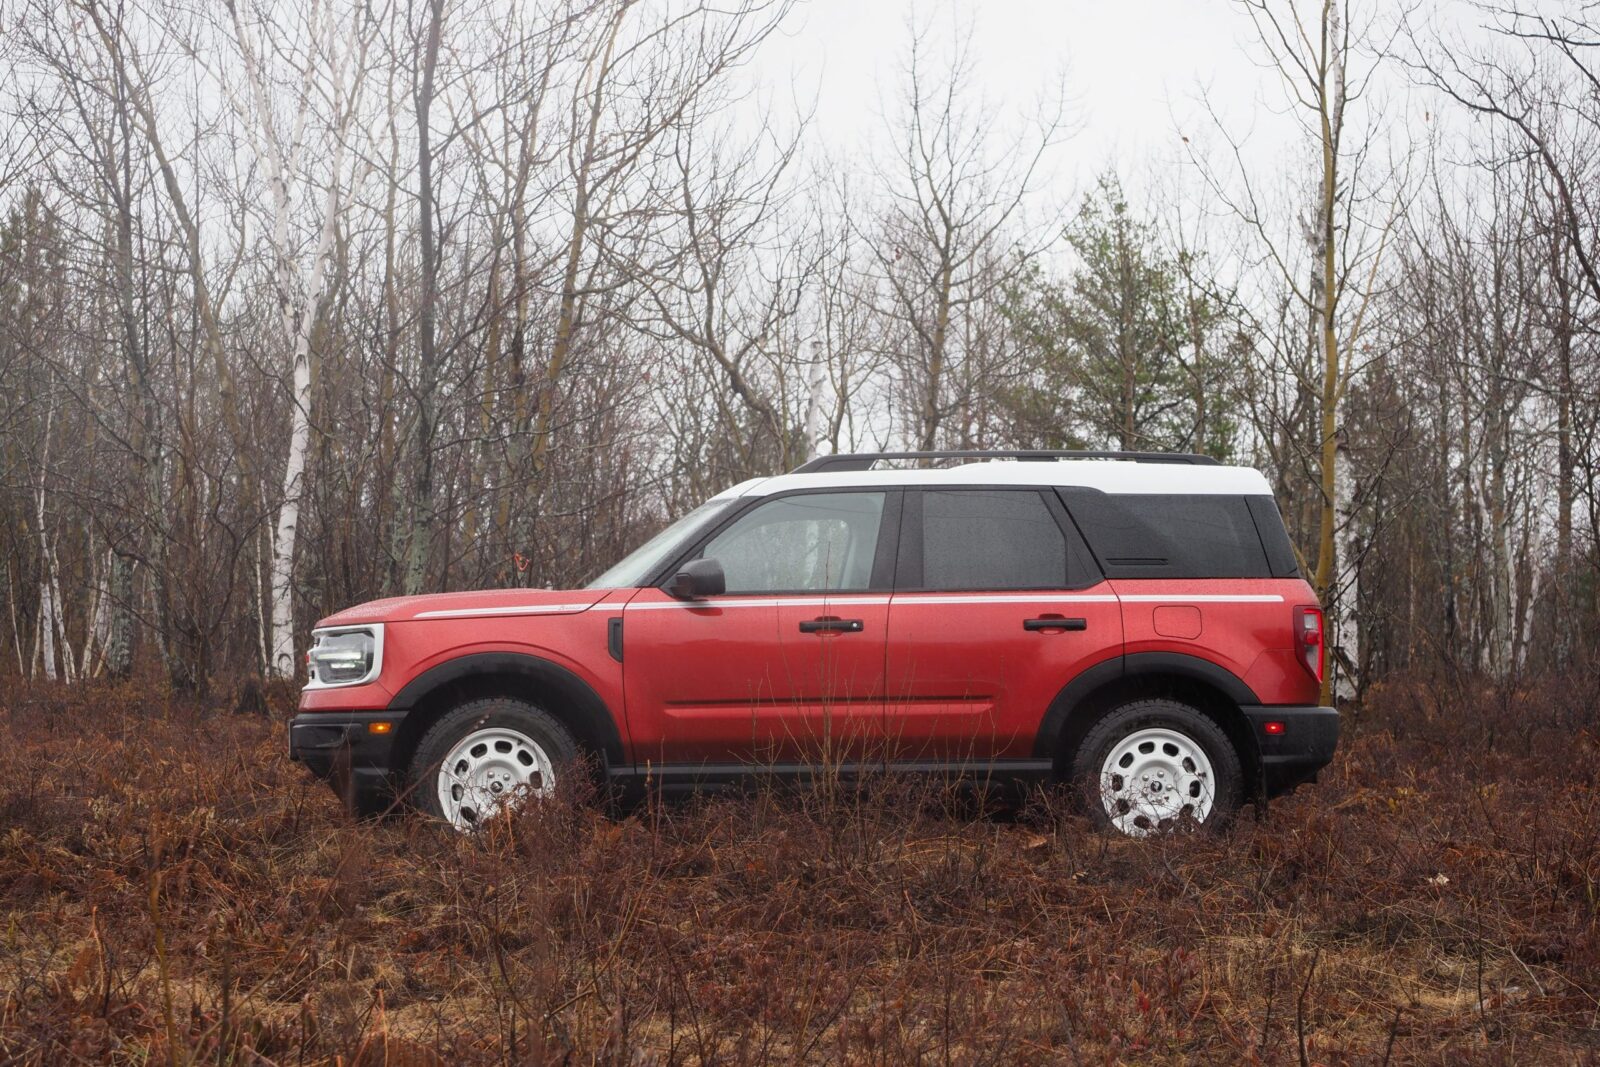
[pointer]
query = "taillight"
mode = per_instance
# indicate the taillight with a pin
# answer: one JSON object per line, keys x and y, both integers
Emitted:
{"x": 1308, "y": 639}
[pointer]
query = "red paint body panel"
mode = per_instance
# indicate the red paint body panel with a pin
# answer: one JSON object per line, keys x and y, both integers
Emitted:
{"x": 484, "y": 603}
{"x": 1279, "y": 677}
{"x": 531, "y": 622}
{"x": 931, "y": 675}
{"x": 928, "y": 676}
{"x": 733, "y": 678}
{"x": 1246, "y": 628}
{"x": 918, "y": 675}
{"x": 967, "y": 681}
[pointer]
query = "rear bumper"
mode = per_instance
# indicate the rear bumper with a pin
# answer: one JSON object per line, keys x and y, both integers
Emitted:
{"x": 1293, "y": 755}
{"x": 341, "y": 749}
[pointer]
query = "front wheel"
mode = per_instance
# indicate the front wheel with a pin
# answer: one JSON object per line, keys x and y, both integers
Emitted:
{"x": 1153, "y": 766}
{"x": 487, "y": 756}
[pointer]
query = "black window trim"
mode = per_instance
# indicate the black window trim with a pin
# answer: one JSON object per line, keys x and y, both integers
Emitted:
{"x": 1268, "y": 518}
{"x": 1083, "y": 571}
{"x": 883, "y": 560}
{"x": 1064, "y": 494}
{"x": 1079, "y": 558}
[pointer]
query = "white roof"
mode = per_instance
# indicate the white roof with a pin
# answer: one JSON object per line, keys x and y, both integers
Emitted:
{"x": 1111, "y": 476}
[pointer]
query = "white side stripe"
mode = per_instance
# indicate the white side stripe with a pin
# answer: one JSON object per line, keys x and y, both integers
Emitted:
{"x": 1021, "y": 598}
{"x": 765, "y": 602}
{"x": 520, "y": 609}
{"x": 846, "y": 600}
{"x": 1206, "y": 598}
{"x": 1035, "y": 598}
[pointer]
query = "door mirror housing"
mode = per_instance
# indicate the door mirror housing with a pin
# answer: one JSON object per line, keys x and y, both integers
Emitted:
{"x": 697, "y": 579}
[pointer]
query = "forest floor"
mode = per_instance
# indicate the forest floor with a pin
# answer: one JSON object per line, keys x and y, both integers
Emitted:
{"x": 176, "y": 891}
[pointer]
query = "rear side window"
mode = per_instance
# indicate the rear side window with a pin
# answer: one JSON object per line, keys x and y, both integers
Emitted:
{"x": 991, "y": 539}
{"x": 1170, "y": 535}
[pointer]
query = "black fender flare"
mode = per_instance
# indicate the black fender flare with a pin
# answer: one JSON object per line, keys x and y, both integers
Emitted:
{"x": 1170, "y": 664}
{"x": 591, "y": 709}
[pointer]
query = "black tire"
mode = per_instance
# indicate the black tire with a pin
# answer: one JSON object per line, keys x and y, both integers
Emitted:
{"x": 1227, "y": 775}
{"x": 534, "y": 723}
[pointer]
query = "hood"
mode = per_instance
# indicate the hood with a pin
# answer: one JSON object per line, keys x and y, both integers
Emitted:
{"x": 487, "y": 603}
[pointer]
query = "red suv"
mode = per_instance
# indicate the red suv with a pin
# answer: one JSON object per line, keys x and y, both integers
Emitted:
{"x": 1135, "y": 623}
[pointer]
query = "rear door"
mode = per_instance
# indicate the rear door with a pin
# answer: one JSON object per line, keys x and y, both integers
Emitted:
{"x": 787, "y": 665}
{"x": 997, "y": 605}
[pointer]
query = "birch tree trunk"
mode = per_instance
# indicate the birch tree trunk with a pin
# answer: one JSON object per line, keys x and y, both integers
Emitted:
{"x": 1346, "y": 661}
{"x": 299, "y": 291}
{"x": 49, "y": 608}
{"x": 142, "y": 434}
{"x": 1311, "y": 54}
{"x": 1331, "y": 101}
{"x": 816, "y": 389}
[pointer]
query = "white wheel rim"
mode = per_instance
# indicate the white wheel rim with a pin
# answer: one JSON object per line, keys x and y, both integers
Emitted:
{"x": 488, "y": 771}
{"x": 1155, "y": 779}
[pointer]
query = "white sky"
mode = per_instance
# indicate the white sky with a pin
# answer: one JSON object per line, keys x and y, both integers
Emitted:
{"x": 1135, "y": 67}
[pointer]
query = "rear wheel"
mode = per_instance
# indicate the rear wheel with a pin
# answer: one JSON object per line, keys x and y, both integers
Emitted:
{"x": 488, "y": 756}
{"x": 1154, "y": 766}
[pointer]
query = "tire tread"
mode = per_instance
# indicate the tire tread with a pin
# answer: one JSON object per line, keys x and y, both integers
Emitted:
{"x": 435, "y": 743}
{"x": 1227, "y": 767}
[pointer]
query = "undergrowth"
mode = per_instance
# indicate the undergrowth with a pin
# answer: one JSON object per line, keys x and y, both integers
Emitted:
{"x": 176, "y": 891}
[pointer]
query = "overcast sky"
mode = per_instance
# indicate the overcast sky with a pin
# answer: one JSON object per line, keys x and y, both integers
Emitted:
{"x": 1135, "y": 67}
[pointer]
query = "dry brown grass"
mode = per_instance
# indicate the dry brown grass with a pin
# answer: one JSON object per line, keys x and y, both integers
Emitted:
{"x": 176, "y": 891}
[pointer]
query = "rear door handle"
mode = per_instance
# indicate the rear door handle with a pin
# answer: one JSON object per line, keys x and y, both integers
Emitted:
{"x": 1055, "y": 622}
{"x": 830, "y": 625}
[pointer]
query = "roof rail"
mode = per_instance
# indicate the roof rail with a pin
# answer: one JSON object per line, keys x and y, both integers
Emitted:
{"x": 864, "y": 461}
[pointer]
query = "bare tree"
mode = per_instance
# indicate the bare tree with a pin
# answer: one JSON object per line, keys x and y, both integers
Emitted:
{"x": 1324, "y": 66}
{"x": 738, "y": 279}
{"x": 317, "y": 67}
{"x": 1537, "y": 79}
{"x": 501, "y": 290}
{"x": 426, "y": 385}
{"x": 944, "y": 242}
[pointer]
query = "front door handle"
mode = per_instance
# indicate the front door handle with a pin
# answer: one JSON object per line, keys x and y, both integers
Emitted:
{"x": 1054, "y": 623}
{"x": 828, "y": 624}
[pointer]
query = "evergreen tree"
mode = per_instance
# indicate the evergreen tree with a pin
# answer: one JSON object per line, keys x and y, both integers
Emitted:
{"x": 1120, "y": 349}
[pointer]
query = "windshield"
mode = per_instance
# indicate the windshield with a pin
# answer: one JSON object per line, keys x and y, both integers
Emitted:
{"x": 637, "y": 565}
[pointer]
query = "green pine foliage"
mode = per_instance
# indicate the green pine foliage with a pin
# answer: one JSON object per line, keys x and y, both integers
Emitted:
{"x": 1130, "y": 348}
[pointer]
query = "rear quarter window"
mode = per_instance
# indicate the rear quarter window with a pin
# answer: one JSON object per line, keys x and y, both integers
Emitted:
{"x": 1274, "y": 537}
{"x": 1171, "y": 535}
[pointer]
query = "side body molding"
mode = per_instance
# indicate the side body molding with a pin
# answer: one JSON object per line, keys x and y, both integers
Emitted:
{"x": 592, "y": 714}
{"x": 1167, "y": 664}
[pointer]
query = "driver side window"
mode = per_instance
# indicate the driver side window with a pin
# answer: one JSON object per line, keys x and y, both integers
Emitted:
{"x": 811, "y": 542}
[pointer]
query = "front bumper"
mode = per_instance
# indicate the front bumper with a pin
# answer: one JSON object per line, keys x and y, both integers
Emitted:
{"x": 1304, "y": 745}
{"x": 342, "y": 749}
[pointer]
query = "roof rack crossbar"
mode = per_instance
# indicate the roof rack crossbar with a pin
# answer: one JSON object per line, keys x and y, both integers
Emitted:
{"x": 865, "y": 461}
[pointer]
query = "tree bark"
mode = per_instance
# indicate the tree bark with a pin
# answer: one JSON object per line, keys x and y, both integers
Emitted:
{"x": 427, "y": 351}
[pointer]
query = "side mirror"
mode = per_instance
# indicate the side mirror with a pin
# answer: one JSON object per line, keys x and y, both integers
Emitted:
{"x": 696, "y": 579}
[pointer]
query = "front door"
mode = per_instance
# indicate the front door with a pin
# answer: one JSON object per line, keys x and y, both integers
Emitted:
{"x": 996, "y": 607}
{"x": 787, "y": 664}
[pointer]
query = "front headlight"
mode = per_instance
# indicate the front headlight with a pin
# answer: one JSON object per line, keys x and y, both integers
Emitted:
{"x": 346, "y": 655}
